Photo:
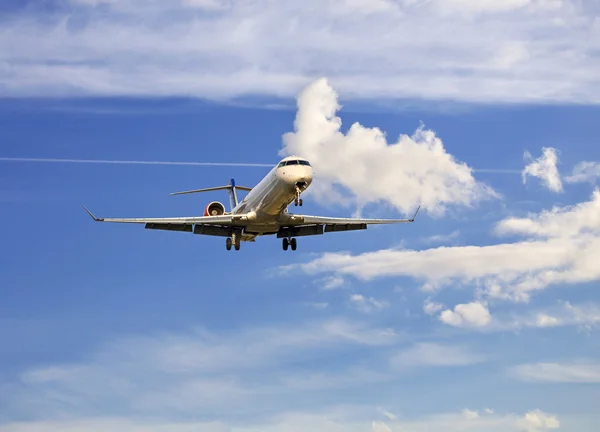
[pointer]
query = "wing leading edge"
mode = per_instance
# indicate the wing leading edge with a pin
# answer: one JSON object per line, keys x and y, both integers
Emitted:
{"x": 309, "y": 220}
{"x": 205, "y": 220}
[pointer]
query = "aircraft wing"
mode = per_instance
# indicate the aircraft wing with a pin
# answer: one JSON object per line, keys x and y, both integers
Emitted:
{"x": 204, "y": 220}
{"x": 309, "y": 220}
{"x": 306, "y": 225}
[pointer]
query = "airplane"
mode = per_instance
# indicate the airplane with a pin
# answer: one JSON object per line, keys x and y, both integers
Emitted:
{"x": 263, "y": 211}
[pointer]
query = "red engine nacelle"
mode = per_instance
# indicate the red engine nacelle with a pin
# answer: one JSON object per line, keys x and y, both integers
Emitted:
{"x": 215, "y": 208}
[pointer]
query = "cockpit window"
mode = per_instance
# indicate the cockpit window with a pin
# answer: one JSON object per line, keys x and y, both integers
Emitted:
{"x": 293, "y": 162}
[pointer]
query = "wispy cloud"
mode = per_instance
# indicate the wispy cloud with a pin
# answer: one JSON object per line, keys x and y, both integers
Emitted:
{"x": 584, "y": 172}
{"x": 328, "y": 419}
{"x": 580, "y": 371}
{"x": 539, "y": 51}
{"x": 368, "y": 304}
{"x": 442, "y": 238}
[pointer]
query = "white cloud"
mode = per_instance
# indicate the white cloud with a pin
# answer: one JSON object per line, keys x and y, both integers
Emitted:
{"x": 472, "y": 314}
{"x": 368, "y": 304}
{"x": 389, "y": 415}
{"x": 517, "y": 52}
{"x": 198, "y": 373}
{"x": 373, "y": 170}
{"x": 468, "y": 414}
{"x": 431, "y": 308}
{"x": 333, "y": 282}
{"x": 545, "y": 169}
{"x": 442, "y": 238}
{"x": 343, "y": 419}
{"x": 428, "y": 354}
{"x": 477, "y": 317}
{"x": 565, "y": 249}
{"x": 584, "y": 172}
{"x": 537, "y": 421}
{"x": 582, "y": 371}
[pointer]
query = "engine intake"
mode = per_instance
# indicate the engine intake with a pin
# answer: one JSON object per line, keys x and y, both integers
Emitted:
{"x": 215, "y": 208}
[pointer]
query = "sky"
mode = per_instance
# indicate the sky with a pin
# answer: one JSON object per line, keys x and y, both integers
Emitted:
{"x": 482, "y": 315}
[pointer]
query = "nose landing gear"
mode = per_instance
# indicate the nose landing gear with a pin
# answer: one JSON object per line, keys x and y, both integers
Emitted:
{"x": 289, "y": 242}
{"x": 298, "y": 200}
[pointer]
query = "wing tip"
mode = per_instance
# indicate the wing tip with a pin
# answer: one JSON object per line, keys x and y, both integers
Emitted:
{"x": 415, "y": 215}
{"x": 91, "y": 214}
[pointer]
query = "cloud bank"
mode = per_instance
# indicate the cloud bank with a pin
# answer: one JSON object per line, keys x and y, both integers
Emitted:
{"x": 560, "y": 246}
{"x": 517, "y": 51}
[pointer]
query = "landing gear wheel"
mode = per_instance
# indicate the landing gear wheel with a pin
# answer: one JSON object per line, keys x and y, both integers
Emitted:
{"x": 285, "y": 244}
{"x": 293, "y": 243}
{"x": 228, "y": 243}
{"x": 300, "y": 202}
{"x": 237, "y": 243}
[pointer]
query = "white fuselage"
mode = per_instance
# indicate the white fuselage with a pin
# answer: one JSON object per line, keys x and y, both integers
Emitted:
{"x": 269, "y": 199}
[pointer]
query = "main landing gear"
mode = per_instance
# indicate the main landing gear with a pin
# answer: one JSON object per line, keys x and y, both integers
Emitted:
{"x": 234, "y": 240}
{"x": 289, "y": 242}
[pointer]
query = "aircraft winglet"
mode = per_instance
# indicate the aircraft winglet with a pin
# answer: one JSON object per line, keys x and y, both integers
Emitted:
{"x": 415, "y": 215}
{"x": 92, "y": 216}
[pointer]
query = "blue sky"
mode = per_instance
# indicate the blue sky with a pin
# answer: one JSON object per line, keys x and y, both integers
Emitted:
{"x": 481, "y": 316}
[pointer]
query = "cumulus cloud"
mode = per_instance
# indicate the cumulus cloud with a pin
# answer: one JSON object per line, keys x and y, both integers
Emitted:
{"x": 472, "y": 314}
{"x": 475, "y": 316}
{"x": 545, "y": 169}
{"x": 584, "y": 172}
{"x": 369, "y": 304}
{"x": 537, "y": 421}
{"x": 373, "y": 170}
{"x": 562, "y": 246}
{"x": 581, "y": 371}
{"x": 486, "y": 51}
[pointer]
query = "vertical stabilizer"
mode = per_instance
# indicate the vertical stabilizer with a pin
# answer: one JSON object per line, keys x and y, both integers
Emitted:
{"x": 233, "y": 200}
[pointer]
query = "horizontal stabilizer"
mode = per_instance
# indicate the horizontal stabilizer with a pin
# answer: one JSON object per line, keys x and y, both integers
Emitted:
{"x": 244, "y": 188}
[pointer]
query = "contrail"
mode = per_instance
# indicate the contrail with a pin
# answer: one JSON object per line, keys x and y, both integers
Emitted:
{"x": 131, "y": 162}
{"x": 239, "y": 164}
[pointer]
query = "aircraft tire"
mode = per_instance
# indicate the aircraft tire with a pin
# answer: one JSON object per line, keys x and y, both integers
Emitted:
{"x": 228, "y": 243}
{"x": 293, "y": 244}
{"x": 285, "y": 244}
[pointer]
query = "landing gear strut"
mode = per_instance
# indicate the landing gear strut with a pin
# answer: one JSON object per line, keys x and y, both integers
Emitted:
{"x": 234, "y": 240}
{"x": 298, "y": 200}
{"x": 289, "y": 242}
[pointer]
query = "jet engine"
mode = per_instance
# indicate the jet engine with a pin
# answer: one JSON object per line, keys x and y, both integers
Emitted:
{"x": 215, "y": 208}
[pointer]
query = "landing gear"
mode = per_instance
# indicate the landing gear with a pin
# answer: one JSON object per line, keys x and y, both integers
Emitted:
{"x": 298, "y": 200}
{"x": 234, "y": 240}
{"x": 289, "y": 242}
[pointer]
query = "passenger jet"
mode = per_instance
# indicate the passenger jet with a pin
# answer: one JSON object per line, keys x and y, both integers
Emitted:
{"x": 263, "y": 211}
